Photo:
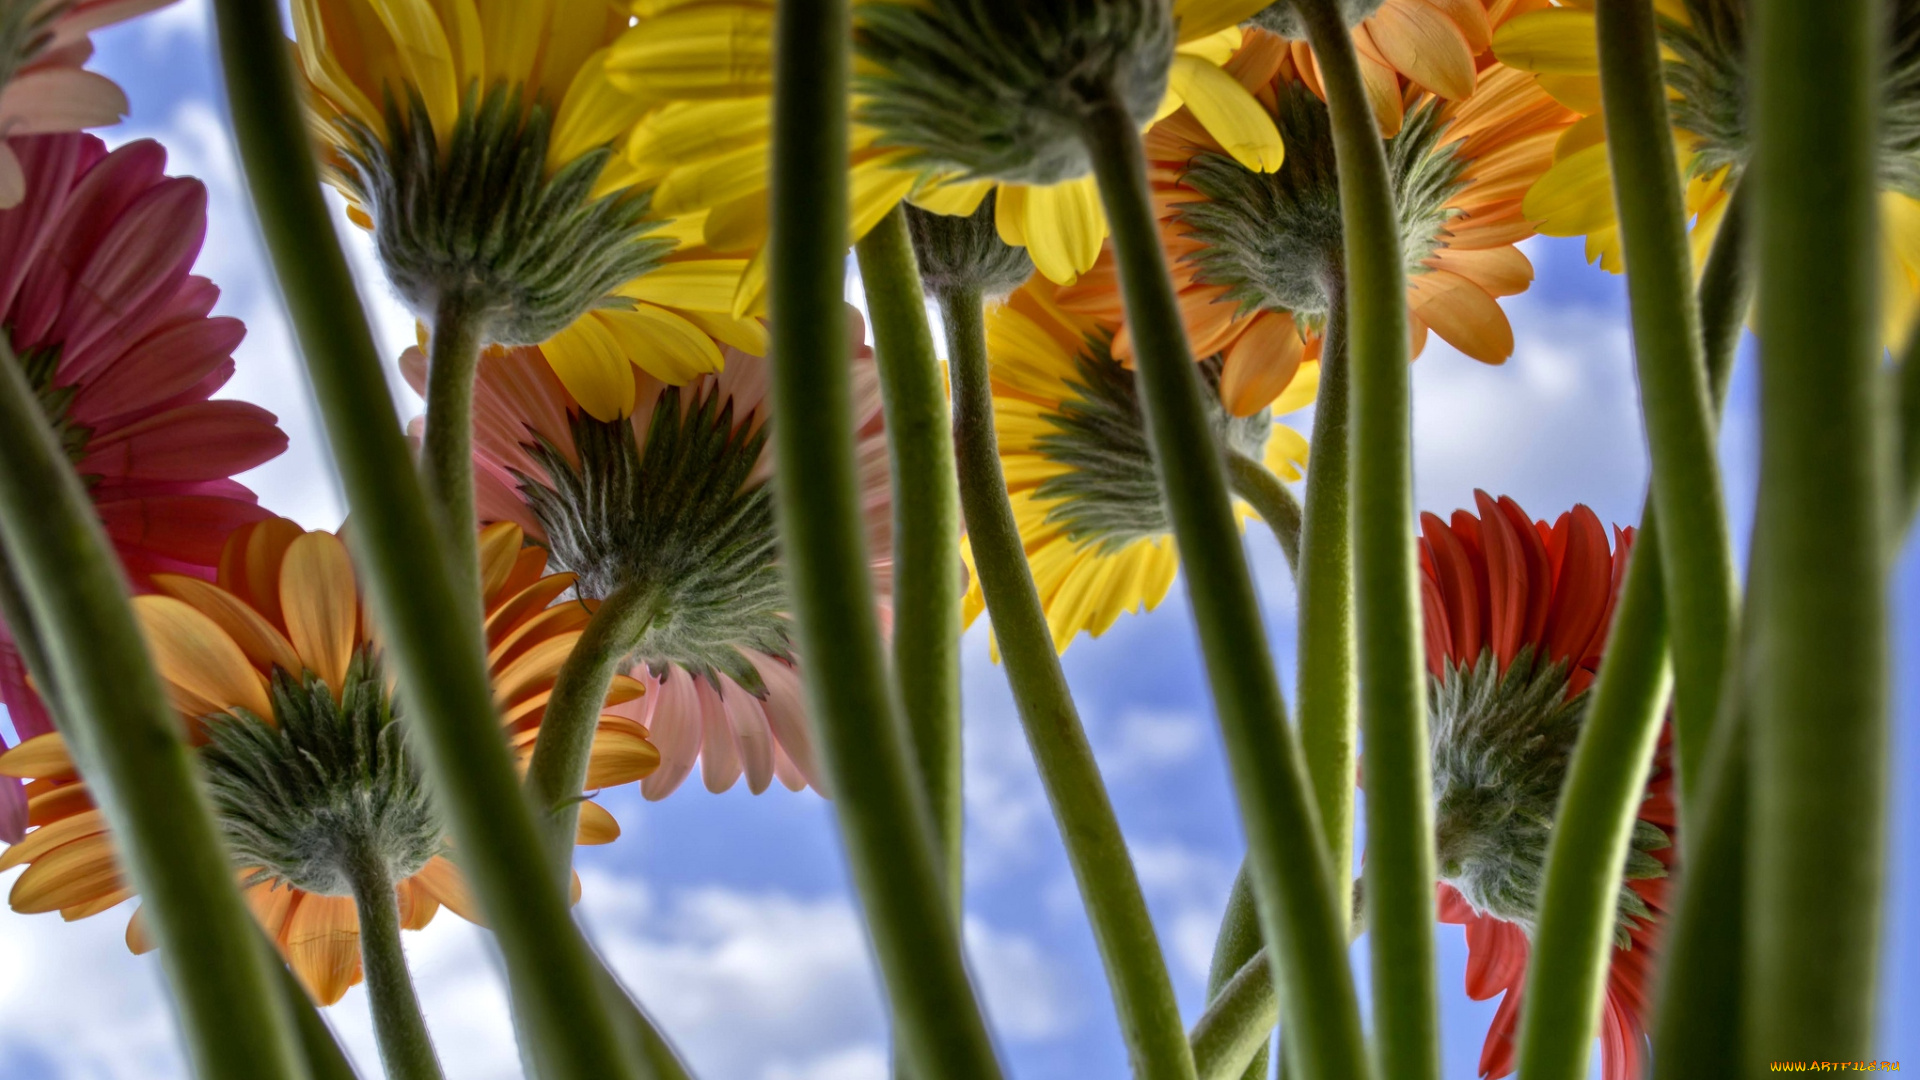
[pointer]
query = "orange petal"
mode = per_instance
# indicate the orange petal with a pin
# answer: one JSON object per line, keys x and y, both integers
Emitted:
{"x": 43, "y": 757}
{"x": 1426, "y": 46}
{"x": 322, "y": 608}
{"x": 250, "y": 566}
{"x": 195, "y": 655}
{"x": 499, "y": 548}
{"x": 263, "y": 642}
{"x": 417, "y": 906}
{"x": 139, "y": 942}
{"x": 597, "y": 826}
{"x": 1462, "y": 314}
{"x": 53, "y": 835}
{"x": 442, "y": 881}
{"x": 323, "y": 945}
{"x": 621, "y": 753}
{"x": 74, "y": 873}
{"x": 1502, "y": 271}
{"x": 1261, "y": 363}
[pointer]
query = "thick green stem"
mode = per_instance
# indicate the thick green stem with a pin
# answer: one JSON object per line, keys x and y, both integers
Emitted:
{"x": 557, "y": 772}
{"x": 1269, "y": 498}
{"x": 325, "y": 1059}
{"x": 1299, "y": 911}
{"x": 1393, "y": 680}
{"x": 886, "y": 825}
{"x": 1136, "y": 971}
{"x": 1697, "y": 555}
{"x": 1325, "y": 649}
{"x": 1817, "y": 831}
{"x": 928, "y": 578}
{"x": 1606, "y": 780}
{"x": 406, "y": 1047}
{"x": 129, "y": 746}
{"x": 1233, "y": 1039}
{"x": 1567, "y": 972}
{"x": 418, "y": 602}
{"x": 447, "y": 450}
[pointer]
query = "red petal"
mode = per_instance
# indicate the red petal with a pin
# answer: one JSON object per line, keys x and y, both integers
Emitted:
{"x": 1459, "y": 580}
{"x": 1582, "y": 591}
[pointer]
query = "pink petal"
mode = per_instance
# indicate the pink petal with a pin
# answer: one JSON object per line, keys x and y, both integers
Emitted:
{"x": 202, "y": 441}
{"x": 750, "y": 733}
{"x": 719, "y": 753}
{"x": 59, "y": 99}
{"x": 144, "y": 259}
{"x": 675, "y": 729}
{"x": 106, "y": 189}
{"x": 167, "y": 363}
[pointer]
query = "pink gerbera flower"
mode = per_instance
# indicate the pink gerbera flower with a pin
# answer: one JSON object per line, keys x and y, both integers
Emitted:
{"x": 43, "y": 87}
{"x": 1516, "y": 619}
{"x": 113, "y": 331}
{"x": 674, "y": 492}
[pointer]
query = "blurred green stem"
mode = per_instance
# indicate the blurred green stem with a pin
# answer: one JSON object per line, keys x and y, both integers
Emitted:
{"x": 406, "y": 1047}
{"x": 1269, "y": 498}
{"x": 447, "y": 444}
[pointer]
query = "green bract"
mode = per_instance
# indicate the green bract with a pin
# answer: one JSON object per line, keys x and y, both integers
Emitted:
{"x": 1501, "y": 747}
{"x": 1275, "y": 239}
{"x": 965, "y": 253}
{"x": 996, "y": 89}
{"x": 322, "y": 784}
{"x": 687, "y": 515}
{"x": 481, "y": 220}
{"x": 1110, "y": 495}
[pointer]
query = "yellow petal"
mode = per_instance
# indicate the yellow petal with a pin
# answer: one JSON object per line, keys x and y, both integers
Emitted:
{"x": 195, "y": 655}
{"x": 703, "y": 183}
{"x": 319, "y": 60}
{"x": 719, "y": 50}
{"x": 1235, "y": 119}
{"x": 426, "y": 59}
{"x": 700, "y": 284}
{"x": 959, "y": 198}
{"x": 1299, "y": 393}
{"x": 662, "y": 344}
{"x": 747, "y": 335}
{"x": 750, "y": 299}
{"x": 1196, "y": 19}
{"x": 1575, "y": 196}
{"x": 684, "y": 131}
{"x": 512, "y": 32}
{"x": 589, "y": 363}
{"x": 321, "y": 604}
{"x": 1581, "y": 93}
{"x": 1557, "y": 41}
{"x": 1215, "y": 48}
{"x": 593, "y": 114}
{"x": 874, "y": 189}
{"x": 499, "y": 550}
{"x": 1286, "y": 453}
{"x": 1010, "y": 214}
{"x": 323, "y": 945}
{"x": 460, "y": 20}
{"x": 1064, "y": 228}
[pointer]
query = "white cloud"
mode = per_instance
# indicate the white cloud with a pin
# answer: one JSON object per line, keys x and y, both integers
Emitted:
{"x": 864, "y": 1062}
{"x": 1143, "y": 741}
{"x": 1188, "y": 887}
{"x": 1025, "y": 991}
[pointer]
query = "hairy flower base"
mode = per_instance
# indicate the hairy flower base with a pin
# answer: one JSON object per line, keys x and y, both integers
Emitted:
{"x": 1108, "y": 490}
{"x": 997, "y": 89}
{"x": 687, "y": 515}
{"x": 56, "y": 402}
{"x": 324, "y": 782}
{"x": 480, "y": 220}
{"x": 1502, "y": 743}
{"x": 966, "y": 253}
{"x": 1282, "y": 19}
{"x": 1274, "y": 239}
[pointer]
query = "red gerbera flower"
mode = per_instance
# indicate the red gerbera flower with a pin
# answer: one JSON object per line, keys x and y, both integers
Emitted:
{"x": 113, "y": 331}
{"x": 1516, "y": 619}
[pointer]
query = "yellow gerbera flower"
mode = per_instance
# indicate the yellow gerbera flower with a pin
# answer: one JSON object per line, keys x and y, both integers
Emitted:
{"x": 706, "y": 68}
{"x": 1079, "y": 473}
{"x": 1704, "y": 44}
{"x": 483, "y": 144}
{"x": 275, "y": 673}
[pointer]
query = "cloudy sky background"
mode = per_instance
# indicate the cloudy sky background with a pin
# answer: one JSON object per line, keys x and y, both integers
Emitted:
{"x": 730, "y": 914}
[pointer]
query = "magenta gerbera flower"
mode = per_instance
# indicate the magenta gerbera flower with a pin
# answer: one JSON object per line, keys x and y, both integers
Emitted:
{"x": 1517, "y": 613}
{"x": 113, "y": 331}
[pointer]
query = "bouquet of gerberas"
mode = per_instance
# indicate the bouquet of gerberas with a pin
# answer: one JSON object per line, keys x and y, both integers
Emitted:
{"x": 665, "y": 509}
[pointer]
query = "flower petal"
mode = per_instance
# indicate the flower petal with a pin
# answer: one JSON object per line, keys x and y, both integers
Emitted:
{"x": 194, "y": 655}
{"x": 321, "y": 604}
{"x": 1231, "y": 114}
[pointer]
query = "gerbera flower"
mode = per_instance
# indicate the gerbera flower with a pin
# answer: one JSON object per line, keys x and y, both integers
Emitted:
{"x": 274, "y": 670}
{"x": 43, "y": 87}
{"x": 1705, "y": 41}
{"x": 101, "y": 310}
{"x": 710, "y": 63}
{"x": 483, "y": 145}
{"x": 1258, "y": 256}
{"x": 670, "y": 494}
{"x": 1516, "y": 620}
{"x": 1079, "y": 472}
{"x": 1436, "y": 45}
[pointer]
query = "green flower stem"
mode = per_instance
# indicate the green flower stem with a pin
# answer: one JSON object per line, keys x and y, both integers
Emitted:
{"x": 1393, "y": 679}
{"x": 321, "y": 1050}
{"x": 1697, "y": 557}
{"x": 557, "y": 772}
{"x": 1566, "y": 977}
{"x": 417, "y": 600}
{"x": 1908, "y": 375}
{"x": 129, "y": 746}
{"x": 1232, "y": 1039}
{"x": 1299, "y": 912}
{"x": 638, "y": 1031}
{"x": 1606, "y": 780}
{"x": 1136, "y": 970}
{"x": 927, "y": 574}
{"x": 1254, "y": 482}
{"x": 885, "y": 823}
{"x": 1325, "y": 649}
{"x": 447, "y": 450}
{"x": 406, "y": 1047}
{"x": 1820, "y": 727}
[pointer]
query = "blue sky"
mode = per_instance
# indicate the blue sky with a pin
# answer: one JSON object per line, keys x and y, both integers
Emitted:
{"x": 730, "y": 914}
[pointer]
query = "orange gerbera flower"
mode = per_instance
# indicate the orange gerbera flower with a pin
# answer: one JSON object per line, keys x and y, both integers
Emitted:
{"x": 275, "y": 663}
{"x": 1257, "y": 257}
